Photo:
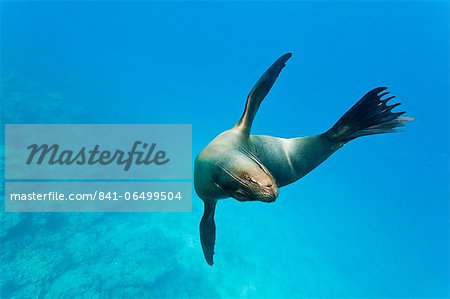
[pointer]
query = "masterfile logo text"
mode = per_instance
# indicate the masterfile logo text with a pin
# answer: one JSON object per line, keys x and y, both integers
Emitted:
{"x": 98, "y": 168}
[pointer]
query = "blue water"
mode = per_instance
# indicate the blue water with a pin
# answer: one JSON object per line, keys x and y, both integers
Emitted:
{"x": 372, "y": 221}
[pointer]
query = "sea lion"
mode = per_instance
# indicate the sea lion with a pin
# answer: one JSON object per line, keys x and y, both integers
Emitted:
{"x": 249, "y": 167}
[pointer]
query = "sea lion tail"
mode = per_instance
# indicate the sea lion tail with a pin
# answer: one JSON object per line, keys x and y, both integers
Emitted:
{"x": 370, "y": 115}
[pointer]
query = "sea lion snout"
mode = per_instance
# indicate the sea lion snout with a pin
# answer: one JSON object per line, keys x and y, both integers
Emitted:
{"x": 269, "y": 194}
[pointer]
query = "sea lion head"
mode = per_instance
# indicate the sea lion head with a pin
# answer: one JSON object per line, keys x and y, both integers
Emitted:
{"x": 245, "y": 179}
{"x": 255, "y": 187}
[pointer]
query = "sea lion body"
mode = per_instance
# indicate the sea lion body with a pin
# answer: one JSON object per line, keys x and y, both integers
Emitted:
{"x": 291, "y": 159}
{"x": 253, "y": 167}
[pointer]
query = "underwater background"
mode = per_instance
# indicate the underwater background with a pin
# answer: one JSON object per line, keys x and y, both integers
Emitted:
{"x": 372, "y": 221}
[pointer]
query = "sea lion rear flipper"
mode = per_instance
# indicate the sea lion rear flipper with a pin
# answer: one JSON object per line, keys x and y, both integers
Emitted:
{"x": 290, "y": 159}
{"x": 259, "y": 92}
{"x": 370, "y": 115}
{"x": 208, "y": 232}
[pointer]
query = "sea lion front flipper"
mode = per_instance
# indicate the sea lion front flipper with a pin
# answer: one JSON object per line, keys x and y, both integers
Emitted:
{"x": 208, "y": 231}
{"x": 259, "y": 92}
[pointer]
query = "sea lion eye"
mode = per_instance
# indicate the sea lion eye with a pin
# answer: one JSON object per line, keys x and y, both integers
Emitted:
{"x": 250, "y": 179}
